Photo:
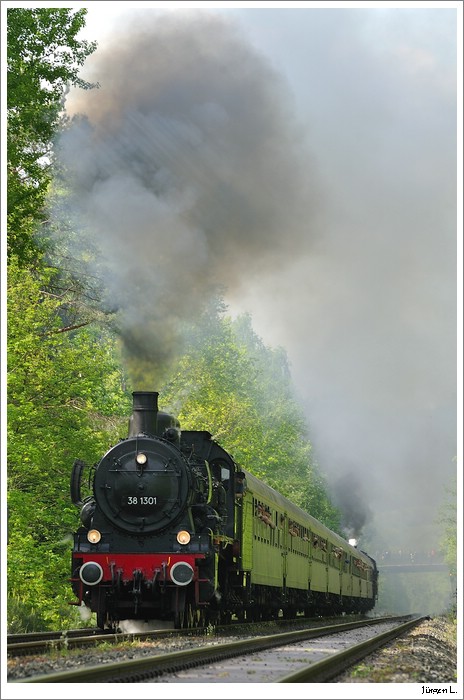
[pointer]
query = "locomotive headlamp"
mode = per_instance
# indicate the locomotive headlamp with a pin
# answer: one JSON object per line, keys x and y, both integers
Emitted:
{"x": 183, "y": 537}
{"x": 91, "y": 573}
{"x": 141, "y": 458}
{"x": 181, "y": 573}
{"x": 94, "y": 536}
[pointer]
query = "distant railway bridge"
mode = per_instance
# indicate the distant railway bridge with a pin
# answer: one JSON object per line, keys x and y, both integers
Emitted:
{"x": 410, "y": 562}
{"x": 411, "y": 568}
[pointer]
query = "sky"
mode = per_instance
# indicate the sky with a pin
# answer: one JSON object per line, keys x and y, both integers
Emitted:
{"x": 305, "y": 156}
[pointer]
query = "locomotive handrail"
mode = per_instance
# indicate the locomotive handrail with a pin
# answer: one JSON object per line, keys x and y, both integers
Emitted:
{"x": 76, "y": 477}
{"x": 222, "y": 539}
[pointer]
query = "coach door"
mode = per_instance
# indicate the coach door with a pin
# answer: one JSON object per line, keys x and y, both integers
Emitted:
{"x": 244, "y": 519}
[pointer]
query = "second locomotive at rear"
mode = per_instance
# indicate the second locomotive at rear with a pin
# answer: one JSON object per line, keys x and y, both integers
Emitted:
{"x": 176, "y": 531}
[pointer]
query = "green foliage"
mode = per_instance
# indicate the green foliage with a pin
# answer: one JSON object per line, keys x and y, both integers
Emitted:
{"x": 43, "y": 59}
{"x": 67, "y": 399}
{"x": 448, "y": 522}
{"x": 232, "y": 385}
{"x": 64, "y": 391}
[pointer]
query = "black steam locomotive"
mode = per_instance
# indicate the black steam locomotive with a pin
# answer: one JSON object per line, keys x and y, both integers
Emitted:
{"x": 174, "y": 530}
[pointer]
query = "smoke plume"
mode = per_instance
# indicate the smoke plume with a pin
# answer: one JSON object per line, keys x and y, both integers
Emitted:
{"x": 190, "y": 169}
{"x": 368, "y": 312}
{"x": 193, "y": 172}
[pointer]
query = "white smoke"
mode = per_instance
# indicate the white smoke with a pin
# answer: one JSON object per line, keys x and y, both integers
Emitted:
{"x": 139, "y": 626}
{"x": 193, "y": 170}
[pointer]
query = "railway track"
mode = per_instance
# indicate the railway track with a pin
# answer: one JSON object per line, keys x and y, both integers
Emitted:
{"x": 50, "y": 636}
{"x": 41, "y": 642}
{"x": 287, "y": 653}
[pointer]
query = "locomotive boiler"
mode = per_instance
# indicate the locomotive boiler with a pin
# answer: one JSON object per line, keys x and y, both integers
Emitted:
{"x": 174, "y": 530}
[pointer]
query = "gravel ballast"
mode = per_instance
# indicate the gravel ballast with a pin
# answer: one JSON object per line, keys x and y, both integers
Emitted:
{"x": 427, "y": 654}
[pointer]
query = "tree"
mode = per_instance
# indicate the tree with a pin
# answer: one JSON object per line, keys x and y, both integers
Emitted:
{"x": 448, "y": 520}
{"x": 65, "y": 393}
{"x": 43, "y": 59}
{"x": 232, "y": 385}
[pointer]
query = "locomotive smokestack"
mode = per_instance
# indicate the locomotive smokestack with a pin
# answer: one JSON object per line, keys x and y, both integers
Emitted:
{"x": 144, "y": 413}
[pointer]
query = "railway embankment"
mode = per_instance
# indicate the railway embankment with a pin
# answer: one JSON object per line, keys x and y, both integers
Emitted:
{"x": 427, "y": 654}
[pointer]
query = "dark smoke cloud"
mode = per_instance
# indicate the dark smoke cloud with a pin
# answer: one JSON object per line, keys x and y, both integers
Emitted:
{"x": 349, "y": 495}
{"x": 190, "y": 168}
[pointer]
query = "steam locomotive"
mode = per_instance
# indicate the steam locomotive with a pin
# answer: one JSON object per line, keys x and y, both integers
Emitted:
{"x": 174, "y": 530}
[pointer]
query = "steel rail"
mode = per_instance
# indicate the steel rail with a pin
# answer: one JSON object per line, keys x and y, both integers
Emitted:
{"x": 44, "y": 636}
{"x": 147, "y": 667}
{"x": 37, "y": 642}
{"x": 326, "y": 669}
{"x": 65, "y": 642}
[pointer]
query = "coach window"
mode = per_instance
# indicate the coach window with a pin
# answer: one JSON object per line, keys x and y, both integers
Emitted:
{"x": 331, "y": 556}
{"x": 300, "y": 540}
{"x": 271, "y": 525}
{"x": 319, "y": 548}
{"x": 295, "y": 532}
{"x": 263, "y": 520}
{"x": 362, "y": 568}
{"x": 255, "y": 519}
{"x": 336, "y": 554}
{"x": 314, "y": 545}
{"x": 323, "y": 546}
{"x": 240, "y": 486}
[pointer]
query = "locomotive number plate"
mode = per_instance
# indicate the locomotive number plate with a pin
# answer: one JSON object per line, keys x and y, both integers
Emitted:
{"x": 141, "y": 500}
